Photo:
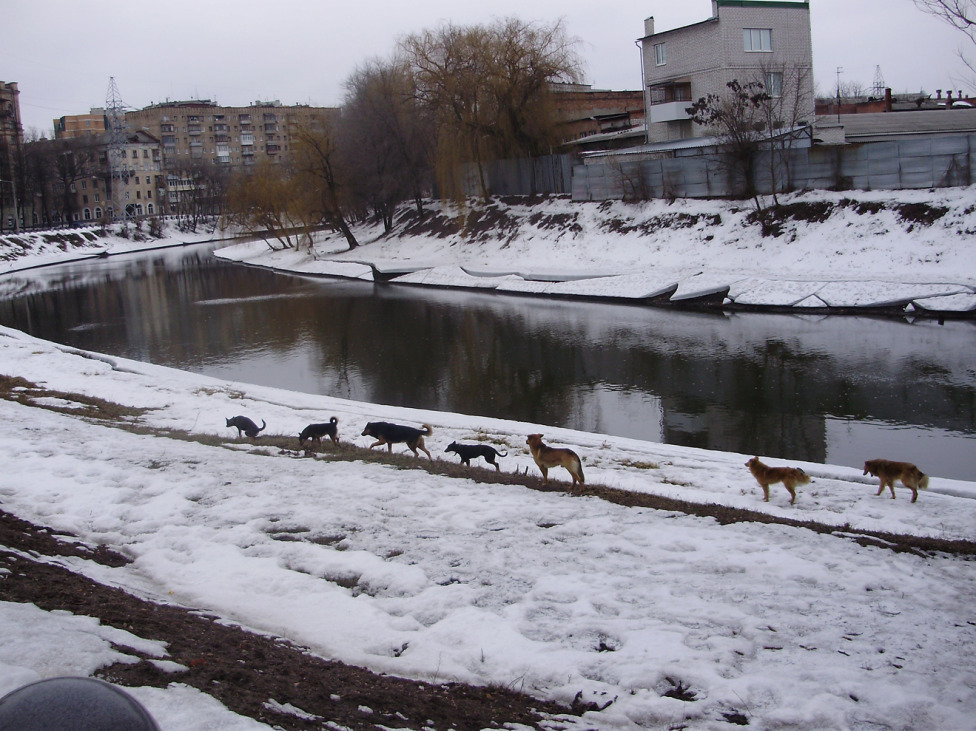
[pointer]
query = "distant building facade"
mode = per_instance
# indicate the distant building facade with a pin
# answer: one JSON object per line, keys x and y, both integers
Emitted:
{"x": 80, "y": 125}
{"x": 598, "y": 118}
{"x": 746, "y": 40}
{"x": 236, "y": 137}
{"x": 11, "y": 146}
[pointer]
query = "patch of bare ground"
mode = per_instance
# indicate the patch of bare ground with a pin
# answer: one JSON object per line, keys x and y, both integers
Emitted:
{"x": 251, "y": 674}
{"x": 255, "y": 675}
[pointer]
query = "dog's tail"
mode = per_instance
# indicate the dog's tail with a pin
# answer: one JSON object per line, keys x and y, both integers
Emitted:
{"x": 334, "y": 420}
{"x": 429, "y": 428}
{"x": 263, "y": 425}
{"x": 923, "y": 481}
{"x": 579, "y": 470}
{"x": 501, "y": 454}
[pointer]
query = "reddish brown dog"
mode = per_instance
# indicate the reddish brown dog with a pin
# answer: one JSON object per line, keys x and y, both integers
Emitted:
{"x": 766, "y": 476}
{"x": 887, "y": 472}
{"x": 546, "y": 457}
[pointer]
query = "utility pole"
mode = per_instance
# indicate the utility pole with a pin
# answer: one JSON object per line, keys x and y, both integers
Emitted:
{"x": 839, "y": 69}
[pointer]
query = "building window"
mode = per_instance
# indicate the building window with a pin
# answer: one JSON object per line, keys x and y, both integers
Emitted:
{"x": 774, "y": 83}
{"x": 660, "y": 54}
{"x": 757, "y": 40}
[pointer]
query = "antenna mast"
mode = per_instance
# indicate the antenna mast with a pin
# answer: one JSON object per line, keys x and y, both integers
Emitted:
{"x": 879, "y": 84}
{"x": 117, "y": 134}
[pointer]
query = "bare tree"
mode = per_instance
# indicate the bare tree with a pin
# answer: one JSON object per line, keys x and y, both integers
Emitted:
{"x": 785, "y": 115}
{"x": 325, "y": 173}
{"x": 961, "y": 15}
{"x": 487, "y": 88}
{"x": 388, "y": 137}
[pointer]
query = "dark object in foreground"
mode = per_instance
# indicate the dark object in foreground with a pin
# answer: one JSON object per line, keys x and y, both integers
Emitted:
{"x": 73, "y": 704}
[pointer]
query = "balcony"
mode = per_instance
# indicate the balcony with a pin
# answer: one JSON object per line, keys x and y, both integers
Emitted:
{"x": 669, "y": 112}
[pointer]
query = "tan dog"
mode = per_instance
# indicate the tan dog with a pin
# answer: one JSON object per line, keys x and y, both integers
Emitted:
{"x": 887, "y": 472}
{"x": 766, "y": 476}
{"x": 546, "y": 457}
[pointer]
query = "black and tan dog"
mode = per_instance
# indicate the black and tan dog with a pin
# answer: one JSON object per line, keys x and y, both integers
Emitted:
{"x": 468, "y": 452}
{"x": 245, "y": 425}
{"x": 887, "y": 472}
{"x": 314, "y": 433}
{"x": 766, "y": 476}
{"x": 389, "y": 434}
{"x": 546, "y": 457}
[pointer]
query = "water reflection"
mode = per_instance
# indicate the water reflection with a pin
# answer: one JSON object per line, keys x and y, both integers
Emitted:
{"x": 840, "y": 389}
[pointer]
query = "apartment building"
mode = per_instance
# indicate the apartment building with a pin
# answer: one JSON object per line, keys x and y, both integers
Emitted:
{"x": 237, "y": 137}
{"x": 80, "y": 125}
{"x": 746, "y": 40}
{"x": 138, "y": 181}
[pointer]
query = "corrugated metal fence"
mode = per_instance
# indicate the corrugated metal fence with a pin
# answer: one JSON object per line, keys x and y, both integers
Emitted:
{"x": 933, "y": 162}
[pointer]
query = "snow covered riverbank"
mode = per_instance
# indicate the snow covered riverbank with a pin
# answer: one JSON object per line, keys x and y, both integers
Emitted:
{"x": 657, "y": 617}
{"x": 908, "y": 251}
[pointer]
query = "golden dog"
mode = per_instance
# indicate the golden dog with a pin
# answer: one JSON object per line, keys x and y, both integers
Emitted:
{"x": 887, "y": 472}
{"x": 766, "y": 476}
{"x": 546, "y": 457}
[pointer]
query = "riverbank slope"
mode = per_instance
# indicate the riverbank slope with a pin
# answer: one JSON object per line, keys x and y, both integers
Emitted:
{"x": 894, "y": 251}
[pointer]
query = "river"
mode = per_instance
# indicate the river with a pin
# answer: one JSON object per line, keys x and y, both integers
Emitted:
{"x": 834, "y": 389}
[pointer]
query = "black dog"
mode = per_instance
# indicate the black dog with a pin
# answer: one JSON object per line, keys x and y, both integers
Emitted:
{"x": 315, "y": 432}
{"x": 389, "y": 434}
{"x": 245, "y": 425}
{"x": 468, "y": 452}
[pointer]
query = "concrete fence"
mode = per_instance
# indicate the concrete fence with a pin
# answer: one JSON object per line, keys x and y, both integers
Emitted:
{"x": 934, "y": 162}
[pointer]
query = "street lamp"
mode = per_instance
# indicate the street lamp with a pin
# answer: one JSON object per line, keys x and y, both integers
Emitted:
{"x": 13, "y": 188}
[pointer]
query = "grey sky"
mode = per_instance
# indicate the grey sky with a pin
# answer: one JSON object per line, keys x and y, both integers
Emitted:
{"x": 63, "y": 52}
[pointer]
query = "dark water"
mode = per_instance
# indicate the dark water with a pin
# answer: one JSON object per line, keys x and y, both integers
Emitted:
{"x": 822, "y": 389}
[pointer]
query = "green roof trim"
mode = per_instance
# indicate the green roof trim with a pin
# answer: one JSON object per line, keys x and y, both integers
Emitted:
{"x": 762, "y": 4}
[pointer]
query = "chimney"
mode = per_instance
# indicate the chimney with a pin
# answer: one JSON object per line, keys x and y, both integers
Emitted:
{"x": 887, "y": 99}
{"x": 938, "y": 93}
{"x": 649, "y": 26}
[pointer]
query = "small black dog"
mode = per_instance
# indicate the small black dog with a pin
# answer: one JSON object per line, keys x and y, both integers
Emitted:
{"x": 315, "y": 432}
{"x": 468, "y": 452}
{"x": 245, "y": 425}
{"x": 389, "y": 434}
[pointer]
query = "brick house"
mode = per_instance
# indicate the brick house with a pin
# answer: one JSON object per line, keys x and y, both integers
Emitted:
{"x": 746, "y": 40}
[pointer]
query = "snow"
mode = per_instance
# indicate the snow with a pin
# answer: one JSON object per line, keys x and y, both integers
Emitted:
{"x": 445, "y": 579}
{"x": 865, "y": 254}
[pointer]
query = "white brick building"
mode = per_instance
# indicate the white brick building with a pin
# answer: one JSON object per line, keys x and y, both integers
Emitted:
{"x": 747, "y": 40}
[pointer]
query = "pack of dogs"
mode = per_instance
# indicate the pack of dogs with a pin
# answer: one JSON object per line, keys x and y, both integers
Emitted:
{"x": 545, "y": 457}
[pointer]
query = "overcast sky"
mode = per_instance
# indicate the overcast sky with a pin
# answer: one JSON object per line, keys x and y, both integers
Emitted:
{"x": 62, "y": 53}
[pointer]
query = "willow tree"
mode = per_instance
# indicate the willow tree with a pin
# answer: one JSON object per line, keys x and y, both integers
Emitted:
{"x": 487, "y": 89}
{"x": 388, "y": 138}
{"x": 271, "y": 200}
